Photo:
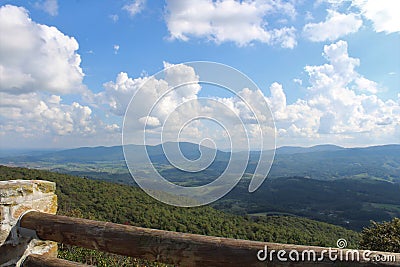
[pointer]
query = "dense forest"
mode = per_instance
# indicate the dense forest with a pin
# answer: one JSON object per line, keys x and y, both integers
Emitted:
{"x": 348, "y": 187}
{"x": 348, "y": 202}
{"x": 125, "y": 204}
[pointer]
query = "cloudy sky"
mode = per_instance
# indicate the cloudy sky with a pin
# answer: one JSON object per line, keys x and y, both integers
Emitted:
{"x": 329, "y": 70}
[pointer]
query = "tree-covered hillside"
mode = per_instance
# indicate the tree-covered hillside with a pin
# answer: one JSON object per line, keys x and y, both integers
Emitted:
{"x": 347, "y": 202}
{"x": 126, "y": 204}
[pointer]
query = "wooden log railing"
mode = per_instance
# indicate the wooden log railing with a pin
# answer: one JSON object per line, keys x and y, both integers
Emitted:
{"x": 43, "y": 261}
{"x": 172, "y": 247}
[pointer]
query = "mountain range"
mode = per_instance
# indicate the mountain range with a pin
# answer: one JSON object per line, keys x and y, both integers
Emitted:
{"x": 190, "y": 150}
{"x": 322, "y": 162}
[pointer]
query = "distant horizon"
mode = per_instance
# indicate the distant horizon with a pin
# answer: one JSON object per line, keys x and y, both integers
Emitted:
{"x": 36, "y": 149}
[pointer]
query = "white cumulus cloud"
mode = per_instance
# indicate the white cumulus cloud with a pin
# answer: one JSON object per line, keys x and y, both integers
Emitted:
{"x": 384, "y": 14}
{"x": 39, "y": 115}
{"x": 341, "y": 106}
{"x": 38, "y": 66}
{"x": 241, "y": 22}
{"x": 117, "y": 94}
{"x": 167, "y": 105}
{"x": 150, "y": 121}
{"x": 35, "y": 56}
{"x": 335, "y": 26}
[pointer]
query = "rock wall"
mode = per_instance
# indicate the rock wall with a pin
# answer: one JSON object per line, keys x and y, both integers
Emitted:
{"x": 16, "y": 198}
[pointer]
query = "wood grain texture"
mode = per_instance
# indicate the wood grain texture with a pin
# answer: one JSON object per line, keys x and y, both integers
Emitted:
{"x": 180, "y": 249}
{"x": 43, "y": 261}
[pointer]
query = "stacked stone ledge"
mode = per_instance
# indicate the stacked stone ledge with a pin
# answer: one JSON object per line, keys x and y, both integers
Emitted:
{"x": 16, "y": 198}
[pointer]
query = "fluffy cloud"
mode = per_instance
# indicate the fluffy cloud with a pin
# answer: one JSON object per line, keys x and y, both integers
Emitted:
{"x": 222, "y": 21}
{"x": 36, "y": 57}
{"x": 335, "y": 26}
{"x": 117, "y": 95}
{"x": 382, "y": 13}
{"x": 277, "y": 101}
{"x": 156, "y": 99}
{"x": 169, "y": 105}
{"x": 340, "y": 107}
{"x": 34, "y": 114}
{"x": 38, "y": 64}
{"x": 150, "y": 121}
{"x": 40, "y": 120}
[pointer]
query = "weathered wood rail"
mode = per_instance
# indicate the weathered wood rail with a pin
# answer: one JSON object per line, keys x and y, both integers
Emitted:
{"x": 45, "y": 261}
{"x": 179, "y": 248}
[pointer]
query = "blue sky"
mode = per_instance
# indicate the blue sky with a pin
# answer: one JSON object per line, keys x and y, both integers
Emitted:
{"x": 329, "y": 70}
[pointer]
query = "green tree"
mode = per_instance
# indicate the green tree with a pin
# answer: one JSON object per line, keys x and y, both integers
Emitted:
{"x": 382, "y": 236}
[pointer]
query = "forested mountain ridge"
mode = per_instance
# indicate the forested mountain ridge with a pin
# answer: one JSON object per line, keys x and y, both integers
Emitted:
{"x": 126, "y": 204}
{"x": 322, "y": 162}
{"x": 349, "y": 202}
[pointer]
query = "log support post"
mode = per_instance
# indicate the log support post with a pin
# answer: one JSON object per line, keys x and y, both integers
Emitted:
{"x": 16, "y": 198}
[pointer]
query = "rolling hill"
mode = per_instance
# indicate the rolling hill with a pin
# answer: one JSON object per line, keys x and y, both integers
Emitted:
{"x": 344, "y": 186}
{"x": 323, "y": 162}
{"x": 126, "y": 204}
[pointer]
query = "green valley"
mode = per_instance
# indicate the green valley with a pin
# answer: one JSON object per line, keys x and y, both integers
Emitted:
{"x": 81, "y": 197}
